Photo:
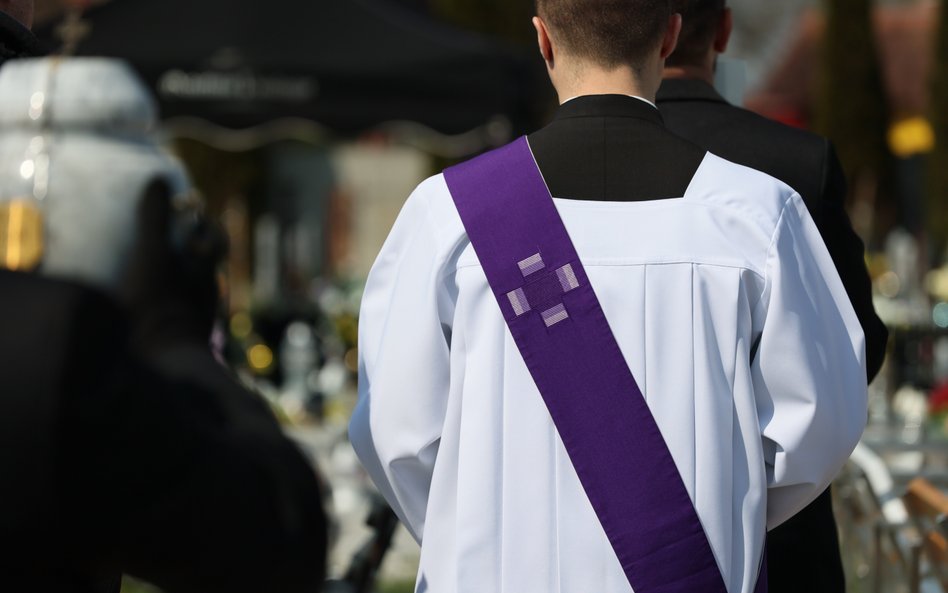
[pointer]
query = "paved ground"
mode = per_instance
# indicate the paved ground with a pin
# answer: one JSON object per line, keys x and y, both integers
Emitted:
{"x": 350, "y": 503}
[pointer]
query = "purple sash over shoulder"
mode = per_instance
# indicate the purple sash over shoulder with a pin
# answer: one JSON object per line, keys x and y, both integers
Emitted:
{"x": 601, "y": 416}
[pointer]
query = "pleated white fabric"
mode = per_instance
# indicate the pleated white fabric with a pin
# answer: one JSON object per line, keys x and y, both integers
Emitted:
{"x": 733, "y": 320}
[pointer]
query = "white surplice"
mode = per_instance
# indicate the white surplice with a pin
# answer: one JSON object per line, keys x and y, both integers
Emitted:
{"x": 733, "y": 320}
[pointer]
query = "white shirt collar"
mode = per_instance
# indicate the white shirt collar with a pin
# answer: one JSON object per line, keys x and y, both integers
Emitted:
{"x": 633, "y": 96}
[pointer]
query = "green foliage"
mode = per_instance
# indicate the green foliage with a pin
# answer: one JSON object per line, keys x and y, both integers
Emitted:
{"x": 397, "y": 587}
{"x": 130, "y": 585}
{"x": 221, "y": 175}
{"x": 506, "y": 19}
{"x": 937, "y": 182}
{"x": 852, "y": 109}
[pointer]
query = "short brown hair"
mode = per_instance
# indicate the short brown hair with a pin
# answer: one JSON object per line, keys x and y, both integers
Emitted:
{"x": 700, "y": 19}
{"x": 611, "y": 33}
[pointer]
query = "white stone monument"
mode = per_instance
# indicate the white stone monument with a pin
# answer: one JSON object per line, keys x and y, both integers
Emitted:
{"x": 77, "y": 152}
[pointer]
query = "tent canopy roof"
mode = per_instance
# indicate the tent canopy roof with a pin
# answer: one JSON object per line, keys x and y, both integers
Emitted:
{"x": 347, "y": 64}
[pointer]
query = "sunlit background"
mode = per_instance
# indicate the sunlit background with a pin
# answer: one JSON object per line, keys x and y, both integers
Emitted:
{"x": 305, "y": 125}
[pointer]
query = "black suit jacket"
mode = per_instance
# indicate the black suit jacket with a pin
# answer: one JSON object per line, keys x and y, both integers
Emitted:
{"x": 804, "y": 552}
{"x": 159, "y": 466}
{"x": 16, "y": 41}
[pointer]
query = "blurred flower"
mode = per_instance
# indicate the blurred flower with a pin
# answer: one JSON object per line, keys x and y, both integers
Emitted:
{"x": 938, "y": 401}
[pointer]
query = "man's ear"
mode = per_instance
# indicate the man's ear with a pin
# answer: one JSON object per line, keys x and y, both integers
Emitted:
{"x": 670, "y": 40}
{"x": 723, "y": 34}
{"x": 543, "y": 40}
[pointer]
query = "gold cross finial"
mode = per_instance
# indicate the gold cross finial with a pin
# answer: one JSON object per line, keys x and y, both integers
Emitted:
{"x": 21, "y": 235}
{"x": 73, "y": 29}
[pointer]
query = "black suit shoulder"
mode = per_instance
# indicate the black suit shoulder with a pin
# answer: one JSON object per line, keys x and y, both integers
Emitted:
{"x": 59, "y": 340}
{"x": 804, "y": 161}
{"x": 797, "y": 157}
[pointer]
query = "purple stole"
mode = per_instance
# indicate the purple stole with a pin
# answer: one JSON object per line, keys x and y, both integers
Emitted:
{"x": 600, "y": 414}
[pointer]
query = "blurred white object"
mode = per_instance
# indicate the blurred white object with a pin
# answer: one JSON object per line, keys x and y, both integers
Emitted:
{"x": 298, "y": 358}
{"x": 901, "y": 299}
{"x": 730, "y": 79}
{"x": 333, "y": 377}
{"x": 902, "y": 251}
{"x": 876, "y": 472}
{"x": 911, "y": 404}
{"x": 76, "y": 141}
{"x": 762, "y": 31}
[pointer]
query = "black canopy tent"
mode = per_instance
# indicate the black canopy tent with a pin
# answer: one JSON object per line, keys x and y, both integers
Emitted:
{"x": 349, "y": 65}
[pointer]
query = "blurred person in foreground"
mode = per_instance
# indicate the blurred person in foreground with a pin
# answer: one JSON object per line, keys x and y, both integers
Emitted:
{"x": 601, "y": 358}
{"x": 16, "y": 39}
{"x": 693, "y": 109}
{"x": 124, "y": 446}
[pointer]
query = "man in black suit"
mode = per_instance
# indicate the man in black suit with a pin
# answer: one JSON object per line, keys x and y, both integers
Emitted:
{"x": 127, "y": 448}
{"x": 124, "y": 446}
{"x": 803, "y": 553}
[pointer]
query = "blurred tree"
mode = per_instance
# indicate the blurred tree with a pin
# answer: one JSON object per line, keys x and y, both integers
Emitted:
{"x": 221, "y": 175}
{"x": 937, "y": 203}
{"x": 852, "y": 109}
{"x": 506, "y": 19}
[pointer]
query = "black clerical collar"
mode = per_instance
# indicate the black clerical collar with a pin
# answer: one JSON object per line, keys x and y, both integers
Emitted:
{"x": 608, "y": 106}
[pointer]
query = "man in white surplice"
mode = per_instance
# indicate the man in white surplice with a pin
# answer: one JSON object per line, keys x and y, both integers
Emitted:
{"x": 717, "y": 286}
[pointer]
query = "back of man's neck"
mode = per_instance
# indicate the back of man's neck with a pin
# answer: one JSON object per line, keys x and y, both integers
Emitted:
{"x": 594, "y": 81}
{"x": 689, "y": 73}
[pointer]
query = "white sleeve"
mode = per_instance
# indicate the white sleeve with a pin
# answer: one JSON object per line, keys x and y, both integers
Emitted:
{"x": 809, "y": 368}
{"x": 403, "y": 365}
